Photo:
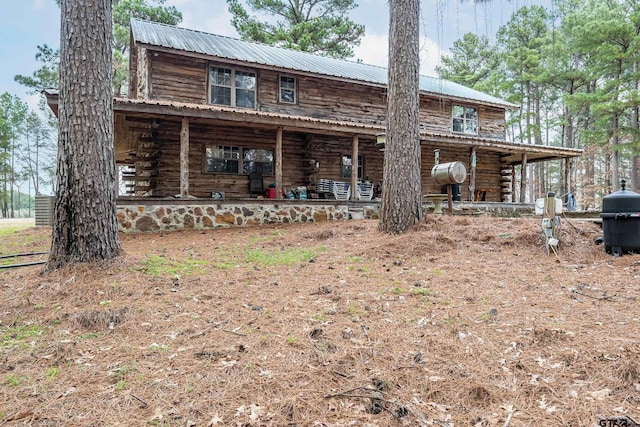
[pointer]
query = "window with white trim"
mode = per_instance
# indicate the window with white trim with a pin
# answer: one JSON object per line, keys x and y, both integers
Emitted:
{"x": 465, "y": 120}
{"x": 238, "y": 160}
{"x": 231, "y": 87}
{"x": 288, "y": 89}
{"x": 222, "y": 159}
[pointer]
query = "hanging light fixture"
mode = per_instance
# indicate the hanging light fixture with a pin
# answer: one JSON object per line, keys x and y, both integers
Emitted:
{"x": 381, "y": 140}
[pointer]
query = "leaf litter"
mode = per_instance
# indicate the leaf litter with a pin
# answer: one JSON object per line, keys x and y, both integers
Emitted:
{"x": 461, "y": 321}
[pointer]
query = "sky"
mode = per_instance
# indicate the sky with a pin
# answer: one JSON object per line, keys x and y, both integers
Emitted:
{"x": 25, "y": 24}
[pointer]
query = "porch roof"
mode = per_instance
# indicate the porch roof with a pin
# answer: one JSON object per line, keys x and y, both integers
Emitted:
{"x": 171, "y": 110}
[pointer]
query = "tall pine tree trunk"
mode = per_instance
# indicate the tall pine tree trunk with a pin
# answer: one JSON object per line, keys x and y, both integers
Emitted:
{"x": 634, "y": 125}
{"x": 615, "y": 154}
{"x": 401, "y": 205}
{"x": 85, "y": 226}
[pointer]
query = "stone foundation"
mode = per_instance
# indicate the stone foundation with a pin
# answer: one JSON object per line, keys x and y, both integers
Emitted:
{"x": 159, "y": 216}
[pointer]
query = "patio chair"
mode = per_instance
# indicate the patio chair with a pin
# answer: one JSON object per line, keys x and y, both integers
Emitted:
{"x": 341, "y": 190}
{"x": 323, "y": 185}
{"x": 365, "y": 191}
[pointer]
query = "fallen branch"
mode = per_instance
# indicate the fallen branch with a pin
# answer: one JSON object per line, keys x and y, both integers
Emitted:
{"x": 233, "y": 332}
{"x": 375, "y": 397}
{"x": 365, "y": 329}
{"x": 508, "y": 420}
{"x": 139, "y": 400}
{"x": 602, "y": 298}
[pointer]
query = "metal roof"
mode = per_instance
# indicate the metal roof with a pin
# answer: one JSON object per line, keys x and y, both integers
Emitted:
{"x": 168, "y": 36}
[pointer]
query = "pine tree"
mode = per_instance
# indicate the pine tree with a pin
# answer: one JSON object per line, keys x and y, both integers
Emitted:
{"x": 321, "y": 27}
{"x": 401, "y": 205}
{"x": 85, "y": 226}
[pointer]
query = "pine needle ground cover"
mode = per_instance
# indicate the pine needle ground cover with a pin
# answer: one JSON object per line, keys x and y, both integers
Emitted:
{"x": 461, "y": 321}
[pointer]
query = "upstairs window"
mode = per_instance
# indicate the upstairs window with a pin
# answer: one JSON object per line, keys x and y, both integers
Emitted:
{"x": 465, "y": 120}
{"x": 288, "y": 89}
{"x": 347, "y": 165}
{"x": 231, "y": 87}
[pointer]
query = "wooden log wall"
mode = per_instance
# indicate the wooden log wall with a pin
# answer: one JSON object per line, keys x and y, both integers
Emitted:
{"x": 488, "y": 175}
{"x": 488, "y": 172}
{"x": 134, "y": 70}
{"x": 157, "y": 160}
{"x": 180, "y": 78}
{"x": 142, "y": 84}
{"x": 491, "y": 122}
{"x": 344, "y": 101}
{"x": 436, "y": 116}
{"x": 177, "y": 78}
{"x": 328, "y": 151}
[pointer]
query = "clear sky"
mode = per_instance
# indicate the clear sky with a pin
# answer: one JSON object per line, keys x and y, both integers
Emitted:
{"x": 24, "y": 24}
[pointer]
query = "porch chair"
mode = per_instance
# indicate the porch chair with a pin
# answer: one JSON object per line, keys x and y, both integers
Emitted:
{"x": 256, "y": 184}
{"x": 323, "y": 185}
{"x": 341, "y": 190}
{"x": 364, "y": 191}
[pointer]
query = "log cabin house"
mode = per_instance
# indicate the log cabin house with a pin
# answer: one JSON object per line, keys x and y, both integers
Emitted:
{"x": 212, "y": 116}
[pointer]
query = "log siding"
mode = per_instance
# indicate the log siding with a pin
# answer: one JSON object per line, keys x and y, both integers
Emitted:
{"x": 158, "y": 151}
{"x": 174, "y": 77}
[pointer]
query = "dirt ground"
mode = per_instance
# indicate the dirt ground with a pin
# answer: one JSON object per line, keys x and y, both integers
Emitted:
{"x": 463, "y": 321}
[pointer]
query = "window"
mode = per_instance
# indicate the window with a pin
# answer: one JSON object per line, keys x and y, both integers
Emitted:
{"x": 225, "y": 159}
{"x": 346, "y": 166}
{"x": 288, "y": 89}
{"x": 222, "y": 159}
{"x": 465, "y": 120}
{"x": 232, "y": 87}
{"x": 258, "y": 161}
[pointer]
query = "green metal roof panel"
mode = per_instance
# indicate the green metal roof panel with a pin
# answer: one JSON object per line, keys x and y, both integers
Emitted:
{"x": 168, "y": 36}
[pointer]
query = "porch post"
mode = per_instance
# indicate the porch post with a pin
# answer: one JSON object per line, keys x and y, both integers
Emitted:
{"x": 513, "y": 183}
{"x": 523, "y": 178}
{"x": 184, "y": 158}
{"x": 278, "y": 156}
{"x": 354, "y": 167}
{"x": 567, "y": 175}
{"x": 472, "y": 176}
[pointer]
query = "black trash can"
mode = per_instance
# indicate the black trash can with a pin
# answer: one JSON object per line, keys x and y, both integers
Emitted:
{"x": 455, "y": 191}
{"x": 621, "y": 222}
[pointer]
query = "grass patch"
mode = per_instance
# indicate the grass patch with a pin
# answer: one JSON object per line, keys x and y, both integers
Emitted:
{"x": 88, "y": 336}
{"x": 421, "y": 291}
{"x": 52, "y": 373}
{"x": 280, "y": 257}
{"x": 223, "y": 266}
{"x": 6, "y": 230}
{"x": 13, "y": 336}
{"x": 15, "y": 238}
{"x": 157, "y": 265}
{"x": 291, "y": 340}
{"x": 14, "y": 380}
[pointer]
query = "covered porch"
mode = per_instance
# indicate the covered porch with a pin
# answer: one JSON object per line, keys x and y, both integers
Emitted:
{"x": 167, "y": 147}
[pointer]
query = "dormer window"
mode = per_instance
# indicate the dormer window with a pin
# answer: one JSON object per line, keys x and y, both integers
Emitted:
{"x": 465, "y": 120}
{"x": 287, "y": 89}
{"x": 234, "y": 88}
